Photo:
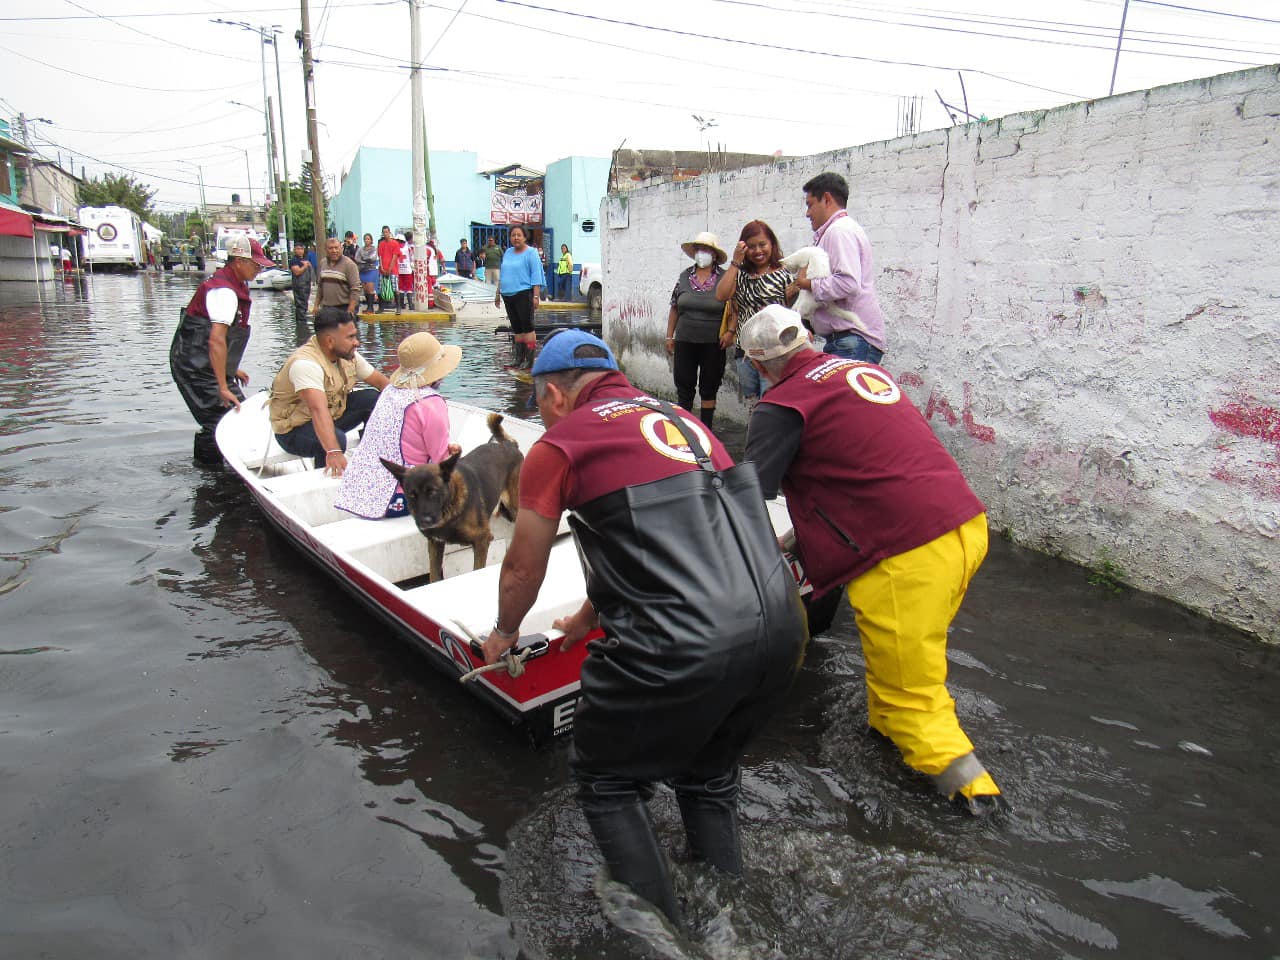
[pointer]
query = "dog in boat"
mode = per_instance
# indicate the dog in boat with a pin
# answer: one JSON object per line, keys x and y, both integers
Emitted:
{"x": 453, "y": 501}
{"x": 817, "y": 267}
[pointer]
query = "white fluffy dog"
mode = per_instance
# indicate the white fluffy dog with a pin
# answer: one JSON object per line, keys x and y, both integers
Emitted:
{"x": 817, "y": 267}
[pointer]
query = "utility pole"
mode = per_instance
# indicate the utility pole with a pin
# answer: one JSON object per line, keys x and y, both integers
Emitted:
{"x": 31, "y": 167}
{"x": 266, "y": 102}
{"x": 275, "y": 182}
{"x": 1119, "y": 40}
{"x": 313, "y": 132}
{"x": 418, "y": 142}
{"x": 286, "y": 211}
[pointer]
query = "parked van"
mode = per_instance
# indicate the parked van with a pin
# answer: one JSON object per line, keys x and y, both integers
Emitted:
{"x": 113, "y": 238}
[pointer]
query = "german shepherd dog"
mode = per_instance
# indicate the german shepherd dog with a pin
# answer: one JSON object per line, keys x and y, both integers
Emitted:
{"x": 453, "y": 501}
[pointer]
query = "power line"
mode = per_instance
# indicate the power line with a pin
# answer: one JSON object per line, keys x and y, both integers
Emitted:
{"x": 152, "y": 36}
{"x": 187, "y": 13}
{"x": 1049, "y": 27}
{"x": 787, "y": 49}
{"x": 1215, "y": 13}
{"x": 117, "y": 83}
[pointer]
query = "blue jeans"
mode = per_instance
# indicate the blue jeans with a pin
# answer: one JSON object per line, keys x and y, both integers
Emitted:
{"x": 750, "y": 383}
{"x": 302, "y": 441}
{"x": 852, "y": 346}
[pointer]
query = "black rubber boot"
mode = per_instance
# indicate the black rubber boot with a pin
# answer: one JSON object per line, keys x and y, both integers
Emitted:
{"x": 706, "y": 415}
{"x": 630, "y": 848}
{"x": 709, "y": 810}
{"x": 530, "y": 354}
{"x": 205, "y": 449}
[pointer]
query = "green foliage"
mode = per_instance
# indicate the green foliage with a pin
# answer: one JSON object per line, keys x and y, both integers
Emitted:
{"x": 301, "y": 212}
{"x": 118, "y": 190}
{"x": 1106, "y": 573}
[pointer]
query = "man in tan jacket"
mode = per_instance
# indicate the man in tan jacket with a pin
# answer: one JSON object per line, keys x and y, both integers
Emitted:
{"x": 313, "y": 397}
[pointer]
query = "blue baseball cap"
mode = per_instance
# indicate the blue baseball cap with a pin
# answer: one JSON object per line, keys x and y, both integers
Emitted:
{"x": 558, "y": 353}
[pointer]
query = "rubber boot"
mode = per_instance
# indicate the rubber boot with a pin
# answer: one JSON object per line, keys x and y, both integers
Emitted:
{"x": 706, "y": 415}
{"x": 371, "y": 303}
{"x": 529, "y": 356}
{"x": 205, "y": 449}
{"x": 398, "y": 296}
{"x": 409, "y": 302}
{"x": 709, "y": 810}
{"x": 630, "y": 849}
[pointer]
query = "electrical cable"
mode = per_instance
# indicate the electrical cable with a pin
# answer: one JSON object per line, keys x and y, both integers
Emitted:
{"x": 787, "y": 49}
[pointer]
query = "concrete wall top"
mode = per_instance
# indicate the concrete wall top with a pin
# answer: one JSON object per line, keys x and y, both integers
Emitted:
{"x": 1082, "y": 301}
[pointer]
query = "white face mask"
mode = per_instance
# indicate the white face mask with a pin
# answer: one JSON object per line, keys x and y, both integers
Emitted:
{"x": 702, "y": 258}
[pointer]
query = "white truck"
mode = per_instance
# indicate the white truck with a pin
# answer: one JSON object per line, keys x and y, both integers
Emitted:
{"x": 113, "y": 239}
{"x": 591, "y": 285}
{"x": 225, "y": 233}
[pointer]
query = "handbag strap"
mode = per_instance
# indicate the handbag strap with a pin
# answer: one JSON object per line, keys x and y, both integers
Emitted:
{"x": 671, "y": 413}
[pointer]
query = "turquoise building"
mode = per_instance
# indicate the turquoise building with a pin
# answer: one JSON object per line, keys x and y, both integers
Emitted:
{"x": 378, "y": 189}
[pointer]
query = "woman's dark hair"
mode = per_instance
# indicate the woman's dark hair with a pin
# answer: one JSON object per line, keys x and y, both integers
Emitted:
{"x": 754, "y": 229}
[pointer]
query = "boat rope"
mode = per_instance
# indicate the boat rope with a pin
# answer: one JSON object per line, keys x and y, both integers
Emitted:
{"x": 511, "y": 661}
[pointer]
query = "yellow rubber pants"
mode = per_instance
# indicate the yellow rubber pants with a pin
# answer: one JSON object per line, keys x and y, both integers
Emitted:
{"x": 903, "y": 606}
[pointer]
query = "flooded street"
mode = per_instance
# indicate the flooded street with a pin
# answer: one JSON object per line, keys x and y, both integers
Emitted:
{"x": 207, "y": 750}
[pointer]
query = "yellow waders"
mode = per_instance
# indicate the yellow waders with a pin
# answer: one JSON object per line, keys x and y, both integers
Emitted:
{"x": 903, "y": 606}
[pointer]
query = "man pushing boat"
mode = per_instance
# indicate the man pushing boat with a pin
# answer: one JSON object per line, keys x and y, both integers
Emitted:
{"x": 703, "y": 625}
{"x": 204, "y": 357}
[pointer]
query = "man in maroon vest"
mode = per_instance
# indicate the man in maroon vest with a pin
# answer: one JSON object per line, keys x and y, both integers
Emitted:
{"x": 880, "y": 506}
{"x": 703, "y": 624}
{"x": 209, "y": 343}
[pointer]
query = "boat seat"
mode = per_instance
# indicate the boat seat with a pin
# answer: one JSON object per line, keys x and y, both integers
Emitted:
{"x": 562, "y": 593}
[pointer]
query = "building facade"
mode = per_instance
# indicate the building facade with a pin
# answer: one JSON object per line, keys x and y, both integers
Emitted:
{"x": 560, "y": 206}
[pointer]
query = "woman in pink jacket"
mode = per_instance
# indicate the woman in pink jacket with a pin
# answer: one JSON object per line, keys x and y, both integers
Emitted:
{"x": 409, "y": 425}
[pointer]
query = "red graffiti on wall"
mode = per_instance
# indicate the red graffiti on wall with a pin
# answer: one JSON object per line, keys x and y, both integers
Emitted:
{"x": 1248, "y": 419}
{"x": 939, "y": 405}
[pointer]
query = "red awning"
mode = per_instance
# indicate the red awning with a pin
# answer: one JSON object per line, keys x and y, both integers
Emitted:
{"x": 15, "y": 223}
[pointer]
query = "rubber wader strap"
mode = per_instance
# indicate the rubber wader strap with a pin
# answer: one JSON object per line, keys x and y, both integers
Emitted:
{"x": 671, "y": 413}
{"x": 961, "y": 772}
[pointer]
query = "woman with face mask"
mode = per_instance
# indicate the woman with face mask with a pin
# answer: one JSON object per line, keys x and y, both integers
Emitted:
{"x": 693, "y": 326}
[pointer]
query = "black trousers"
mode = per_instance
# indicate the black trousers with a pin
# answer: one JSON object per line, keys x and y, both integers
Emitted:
{"x": 698, "y": 366}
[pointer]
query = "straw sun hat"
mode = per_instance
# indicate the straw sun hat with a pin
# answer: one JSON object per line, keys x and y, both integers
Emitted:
{"x": 708, "y": 240}
{"x": 423, "y": 361}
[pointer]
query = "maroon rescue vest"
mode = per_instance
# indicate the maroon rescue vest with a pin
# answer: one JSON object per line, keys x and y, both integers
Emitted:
{"x": 870, "y": 480}
{"x": 222, "y": 278}
{"x": 612, "y": 442}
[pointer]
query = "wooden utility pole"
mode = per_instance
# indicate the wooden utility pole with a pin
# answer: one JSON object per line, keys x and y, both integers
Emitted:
{"x": 313, "y": 133}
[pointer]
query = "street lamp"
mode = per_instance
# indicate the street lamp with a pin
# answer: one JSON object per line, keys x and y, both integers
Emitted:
{"x": 267, "y": 35}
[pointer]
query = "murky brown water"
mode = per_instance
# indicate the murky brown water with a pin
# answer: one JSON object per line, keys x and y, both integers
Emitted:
{"x": 208, "y": 751}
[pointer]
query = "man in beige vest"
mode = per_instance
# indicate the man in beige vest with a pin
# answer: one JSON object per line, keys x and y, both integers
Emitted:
{"x": 312, "y": 398}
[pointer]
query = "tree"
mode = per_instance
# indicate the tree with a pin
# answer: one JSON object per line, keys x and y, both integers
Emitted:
{"x": 118, "y": 190}
{"x": 301, "y": 218}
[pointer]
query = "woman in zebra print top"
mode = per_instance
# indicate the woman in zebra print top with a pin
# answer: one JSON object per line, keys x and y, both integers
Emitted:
{"x": 755, "y": 279}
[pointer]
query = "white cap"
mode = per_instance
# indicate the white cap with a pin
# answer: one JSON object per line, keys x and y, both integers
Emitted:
{"x": 764, "y": 335}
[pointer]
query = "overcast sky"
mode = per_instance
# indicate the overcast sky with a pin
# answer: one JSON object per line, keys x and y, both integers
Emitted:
{"x": 144, "y": 87}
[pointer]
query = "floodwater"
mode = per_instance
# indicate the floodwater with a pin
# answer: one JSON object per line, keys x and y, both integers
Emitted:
{"x": 208, "y": 751}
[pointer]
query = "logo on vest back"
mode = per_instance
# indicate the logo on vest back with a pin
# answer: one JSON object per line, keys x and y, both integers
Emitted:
{"x": 873, "y": 385}
{"x": 666, "y": 438}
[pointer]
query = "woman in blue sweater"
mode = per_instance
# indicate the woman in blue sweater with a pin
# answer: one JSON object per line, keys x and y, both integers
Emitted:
{"x": 521, "y": 283}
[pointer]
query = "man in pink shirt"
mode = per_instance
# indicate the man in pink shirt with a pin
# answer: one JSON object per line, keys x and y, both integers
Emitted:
{"x": 857, "y": 331}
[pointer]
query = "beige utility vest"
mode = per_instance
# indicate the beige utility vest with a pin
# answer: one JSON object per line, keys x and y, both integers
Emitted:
{"x": 288, "y": 410}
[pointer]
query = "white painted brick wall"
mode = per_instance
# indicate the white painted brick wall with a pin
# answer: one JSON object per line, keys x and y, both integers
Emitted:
{"x": 1084, "y": 301}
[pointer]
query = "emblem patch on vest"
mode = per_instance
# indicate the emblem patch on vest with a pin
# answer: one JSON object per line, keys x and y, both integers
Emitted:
{"x": 663, "y": 435}
{"x": 874, "y": 385}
